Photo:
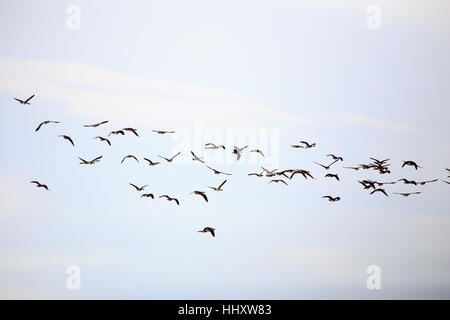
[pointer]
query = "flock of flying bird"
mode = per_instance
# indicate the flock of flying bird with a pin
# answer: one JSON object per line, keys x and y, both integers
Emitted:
{"x": 277, "y": 176}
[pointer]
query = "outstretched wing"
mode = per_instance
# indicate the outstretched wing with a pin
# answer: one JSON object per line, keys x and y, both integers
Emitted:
{"x": 29, "y": 98}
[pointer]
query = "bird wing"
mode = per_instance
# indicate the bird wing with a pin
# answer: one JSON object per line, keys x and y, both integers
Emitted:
{"x": 70, "y": 140}
{"x": 163, "y": 158}
{"x": 29, "y": 98}
{"x": 96, "y": 159}
{"x": 21, "y": 101}
{"x": 175, "y": 156}
{"x": 134, "y": 186}
{"x": 204, "y": 196}
{"x": 39, "y": 126}
{"x": 221, "y": 185}
{"x": 212, "y": 232}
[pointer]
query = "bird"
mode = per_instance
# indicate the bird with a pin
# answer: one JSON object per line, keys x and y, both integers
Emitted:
{"x": 331, "y": 199}
{"x": 328, "y": 166}
{"x": 103, "y": 139}
{"x": 195, "y": 158}
{"x": 170, "y": 160}
{"x": 422, "y": 183}
{"x": 410, "y": 163}
{"x": 170, "y": 198}
{"x": 200, "y": 193}
{"x": 383, "y": 183}
{"x": 335, "y": 157}
{"x": 353, "y": 168}
{"x": 24, "y": 101}
{"x": 213, "y": 146}
{"x": 117, "y": 132}
{"x": 278, "y": 181}
{"x": 139, "y": 188}
{"x": 219, "y": 188}
{"x": 380, "y": 190}
{"x": 131, "y": 130}
{"x": 44, "y": 123}
{"x": 269, "y": 173}
{"x": 162, "y": 131}
{"x": 368, "y": 184}
{"x": 129, "y": 156}
{"x": 95, "y": 125}
{"x": 379, "y": 162}
{"x": 258, "y": 151}
{"x": 307, "y": 145}
{"x": 259, "y": 175}
{"x": 330, "y": 175}
{"x": 90, "y": 162}
{"x": 218, "y": 172}
{"x": 148, "y": 195}
{"x": 406, "y": 194}
{"x": 67, "y": 138}
{"x": 150, "y": 162}
{"x": 238, "y": 151}
{"x": 40, "y": 185}
{"x": 296, "y": 146}
{"x": 406, "y": 181}
{"x": 304, "y": 173}
{"x": 208, "y": 229}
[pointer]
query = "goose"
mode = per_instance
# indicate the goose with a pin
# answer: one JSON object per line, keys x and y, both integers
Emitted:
{"x": 131, "y": 130}
{"x": 44, "y": 123}
{"x": 258, "y": 151}
{"x": 103, "y": 139}
{"x": 208, "y": 229}
{"x": 139, "y": 188}
{"x": 383, "y": 183}
{"x": 218, "y": 172}
{"x": 150, "y": 162}
{"x": 380, "y": 190}
{"x": 328, "y": 166}
{"x": 278, "y": 181}
{"x": 95, "y": 125}
{"x": 410, "y": 163}
{"x": 170, "y": 199}
{"x": 195, "y": 158}
{"x": 162, "y": 131}
{"x": 335, "y": 157}
{"x": 304, "y": 173}
{"x": 331, "y": 199}
{"x": 405, "y": 181}
{"x": 238, "y": 151}
{"x": 129, "y": 156}
{"x": 353, "y": 168}
{"x": 259, "y": 175}
{"x": 170, "y": 160}
{"x": 330, "y": 175}
{"x": 406, "y": 194}
{"x": 90, "y": 162}
{"x": 213, "y": 146}
{"x": 40, "y": 185}
{"x": 307, "y": 145}
{"x": 148, "y": 195}
{"x": 67, "y": 138}
{"x": 200, "y": 193}
{"x": 367, "y": 184}
{"x": 219, "y": 188}
{"x": 269, "y": 173}
{"x": 24, "y": 101}
{"x": 117, "y": 132}
{"x": 379, "y": 162}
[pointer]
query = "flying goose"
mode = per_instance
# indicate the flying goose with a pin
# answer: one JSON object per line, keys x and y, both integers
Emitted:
{"x": 368, "y": 184}
{"x": 259, "y": 175}
{"x": 307, "y": 145}
{"x": 328, "y": 166}
{"x": 67, "y": 138}
{"x": 148, "y": 195}
{"x": 24, "y": 101}
{"x": 139, "y": 188}
{"x": 208, "y": 229}
{"x": 195, "y": 158}
{"x": 269, "y": 173}
{"x": 410, "y": 163}
{"x": 200, "y": 193}
{"x": 117, "y": 132}
{"x": 40, "y": 185}
{"x": 131, "y": 130}
{"x": 219, "y": 188}
{"x": 162, "y": 131}
{"x": 103, "y": 139}
{"x": 218, "y": 172}
{"x": 170, "y": 198}
{"x": 304, "y": 173}
{"x": 129, "y": 156}
{"x": 90, "y": 162}
{"x": 405, "y": 181}
{"x": 170, "y": 160}
{"x": 213, "y": 146}
{"x": 258, "y": 151}
{"x": 330, "y": 175}
{"x": 277, "y": 181}
{"x": 95, "y": 125}
{"x": 353, "y": 168}
{"x": 238, "y": 151}
{"x": 44, "y": 123}
{"x": 379, "y": 162}
{"x": 406, "y": 194}
{"x": 380, "y": 190}
{"x": 335, "y": 157}
{"x": 150, "y": 162}
{"x": 331, "y": 199}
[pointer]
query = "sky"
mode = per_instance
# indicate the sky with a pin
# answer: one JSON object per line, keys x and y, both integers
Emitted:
{"x": 266, "y": 74}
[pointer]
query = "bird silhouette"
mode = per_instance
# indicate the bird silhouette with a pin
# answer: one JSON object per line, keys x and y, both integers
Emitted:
{"x": 117, "y": 132}
{"x": 328, "y": 166}
{"x": 170, "y": 198}
{"x": 40, "y": 185}
{"x": 93, "y": 161}
{"x": 410, "y": 163}
{"x": 258, "y": 151}
{"x": 150, "y": 162}
{"x": 195, "y": 158}
{"x": 200, "y": 193}
{"x": 331, "y": 199}
{"x": 209, "y": 229}
{"x": 95, "y": 125}
{"x": 148, "y": 195}
{"x": 330, "y": 175}
{"x": 219, "y": 188}
{"x": 406, "y": 194}
{"x": 130, "y": 156}
{"x": 131, "y": 130}
{"x": 138, "y": 188}
{"x": 218, "y": 172}
{"x": 67, "y": 138}
{"x": 103, "y": 139}
{"x": 162, "y": 131}
{"x": 44, "y": 123}
{"x": 171, "y": 159}
{"x": 213, "y": 146}
{"x": 277, "y": 181}
{"x": 380, "y": 190}
{"x": 24, "y": 101}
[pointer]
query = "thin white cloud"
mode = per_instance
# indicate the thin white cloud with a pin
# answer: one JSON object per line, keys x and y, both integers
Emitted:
{"x": 364, "y": 120}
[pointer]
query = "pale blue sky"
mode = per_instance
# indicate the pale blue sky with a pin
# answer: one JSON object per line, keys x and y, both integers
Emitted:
{"x": 304, "y": 69}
